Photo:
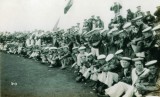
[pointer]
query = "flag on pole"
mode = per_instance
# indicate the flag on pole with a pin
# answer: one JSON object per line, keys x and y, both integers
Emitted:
{"x": 56, "y": 25}
{"x": 68, "y": 6}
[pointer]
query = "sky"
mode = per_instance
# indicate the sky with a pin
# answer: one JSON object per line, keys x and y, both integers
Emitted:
{"x": 27, "y": 15}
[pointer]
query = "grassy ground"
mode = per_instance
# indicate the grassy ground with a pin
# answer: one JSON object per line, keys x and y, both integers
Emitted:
{"x": 22, "y": 77}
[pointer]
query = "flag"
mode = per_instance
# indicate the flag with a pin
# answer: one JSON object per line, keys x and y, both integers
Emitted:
{"x": 56, "y": 25}
{"x": 68, "y": 6}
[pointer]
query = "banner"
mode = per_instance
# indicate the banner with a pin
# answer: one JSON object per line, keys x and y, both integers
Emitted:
{"x": 68, "y": 6}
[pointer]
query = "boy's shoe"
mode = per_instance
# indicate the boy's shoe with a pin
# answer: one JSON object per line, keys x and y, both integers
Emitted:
{"x": 63, "y": 68}
{"x": 50, "y": 66}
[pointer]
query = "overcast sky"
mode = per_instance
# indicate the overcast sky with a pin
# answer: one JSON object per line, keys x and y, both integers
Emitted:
{"x": 21, "y": 15}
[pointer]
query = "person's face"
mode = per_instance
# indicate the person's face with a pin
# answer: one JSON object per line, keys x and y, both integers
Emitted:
{"x": 124, "y": 63}
{"x": 54, "y": 51}
{"x": 157, "y": 31}
{"x": 50, "y": 52}
{"x": 83, "y": 59}
{"x": 119, "y": 55}
{"x": 139, "y": 65}
{"x": 112, "y": 61}
{"x": 59, "y": 51}
{"x": 139, "y": 22}
{"x": 85, "y": 20}
{"x": 38, "y": 52}
{"x": 112, "y": 20}
{"x": 93, "y": 22}
{"x": 105, "y": 69}
{"x": 139, "y": 8}
{"x": 90, "y": 58}
{"x": 152, "y": 69}
{"x": 128, "y": 11}
{"x": 102, "y": 61}
{"x": 87, "y": 38}
{"x": 82, "y": 51}
{"x": 65, "y": 49}
{"x": 147, "y": 34}
{"x": 75, "y": 51}
{"x": 158, "y": 7}
{"x": 128, "y": 29}
{"x": 148, "y": 13}
{"x": 78, "y": 24}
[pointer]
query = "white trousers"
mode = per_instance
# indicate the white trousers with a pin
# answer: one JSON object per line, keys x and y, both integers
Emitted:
{"x": 95, "y": 51}
{"x": 108, "y": 78}
{"x": 87, "y": 73}
{"x": 118, "y": 89}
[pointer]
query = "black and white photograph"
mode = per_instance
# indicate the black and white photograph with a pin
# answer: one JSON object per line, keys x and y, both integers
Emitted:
{"x": 80, "y": 48}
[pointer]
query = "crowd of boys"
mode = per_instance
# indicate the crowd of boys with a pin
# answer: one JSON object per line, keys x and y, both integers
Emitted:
{"x": 123, "y": 61}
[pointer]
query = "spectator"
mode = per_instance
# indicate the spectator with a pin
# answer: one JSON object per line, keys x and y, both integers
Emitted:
{"x": 157, "y": 14}
{"x": 139, "y": 12}
{"x": 116, "y": 8}
{"x": 149, "y": 19}
{"x": 118, "y": 89}
{"x": 130, "y": 15}
{"x": 100, "y": 23}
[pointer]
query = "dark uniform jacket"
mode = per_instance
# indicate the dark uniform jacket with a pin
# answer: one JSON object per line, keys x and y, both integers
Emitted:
{"x": 157, "y": 14}
{"x": 125, "y": 77}
{"x": 116, "y": 8}
{"x": 149, "y": 20}
{"x": 130, "y": 16}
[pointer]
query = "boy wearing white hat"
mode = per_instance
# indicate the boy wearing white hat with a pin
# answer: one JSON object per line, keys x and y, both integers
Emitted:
{"x": 139, "y": 12}
{"x": 82, "y": 69}
{"x": 152, "y": 86}
{"x": 65, "y": 57}
{"x": 89, "y": 64}
{"x": 74, "y": 57}
{"x": 81, "y": 53}
{"x": 125, "y": 74}
{"x": 129, "y": 30}
{"x": 136, "y": 41}
{"x": 106, "y": 77}
{"x": 101, "y": 62}
{"x": 157, "y": 32}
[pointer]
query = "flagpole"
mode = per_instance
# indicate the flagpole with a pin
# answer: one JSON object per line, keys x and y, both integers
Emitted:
{"x": 59, "y": 19}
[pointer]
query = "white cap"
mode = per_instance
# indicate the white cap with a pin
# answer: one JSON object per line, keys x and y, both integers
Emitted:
{"x": 156, "y": 45}
{"x": 82, "y": 48}
{"x": 137, "y": 59}
{"x": 137, "y": 18}
{"x": 89, "y": 54}
{"x": 126, "y": 58}
{"x": 102, "y": 31}
{"x": 65, "y": 47}
{"x": 118, "y": 52}
{"x": 53, "y": 48}
{"x": 156, "y": 28}
{"x": 140, "y": 55}
{"x": 121, "y": 31}
{"x": 101, "y": 57}
{"x": 150, "y": 63}
{"x": 126, "y": 25}
{"x": 109, "y": 57}
{"x": 46, "y": 47}
{"x": 113, "y": 30}
{"x": 147, "y": 29}
{"x": 36, "y": 50}
{"x": 93, "y": 31}
{"x": 74, "y": 48}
